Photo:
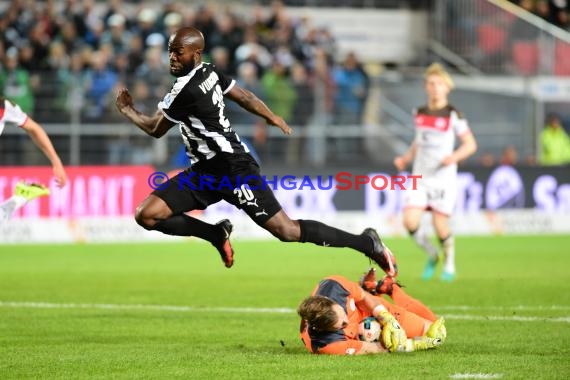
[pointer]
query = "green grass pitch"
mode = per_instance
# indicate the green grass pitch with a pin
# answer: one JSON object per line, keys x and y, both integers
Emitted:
{"x": 167, "y": 311}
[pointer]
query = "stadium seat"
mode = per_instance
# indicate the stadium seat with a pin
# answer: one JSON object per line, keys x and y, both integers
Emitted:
{"x": 491, "y": 38}
{"x": 562, "y": 59}
{"x": 526, "y": 57}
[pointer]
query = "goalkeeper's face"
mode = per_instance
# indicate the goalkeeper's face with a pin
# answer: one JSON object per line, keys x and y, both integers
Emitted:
{"x": 342, "y": 318}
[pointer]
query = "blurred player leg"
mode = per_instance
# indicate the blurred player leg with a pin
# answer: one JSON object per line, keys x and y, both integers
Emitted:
{"x": 441, "y": 225}
{"x": 23, "y": 193}
{"x": 448, "y": 244}
{"x": 412, "y": 221}
{"x": 423, "y": 241}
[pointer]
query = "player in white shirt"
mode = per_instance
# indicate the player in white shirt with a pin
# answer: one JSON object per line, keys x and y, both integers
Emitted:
{"x": 11, "y": 113}
{"x": 438, "y": 125}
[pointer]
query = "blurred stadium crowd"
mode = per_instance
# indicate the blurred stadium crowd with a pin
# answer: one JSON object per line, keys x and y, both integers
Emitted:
{"x": 72, "y": 56}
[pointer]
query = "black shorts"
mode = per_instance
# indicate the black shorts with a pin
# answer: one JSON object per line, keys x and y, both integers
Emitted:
{"x": 235, "y": 178}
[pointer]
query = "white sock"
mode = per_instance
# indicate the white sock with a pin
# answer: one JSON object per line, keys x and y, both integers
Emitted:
{"x": 425, "y": 243}
{"x": 449, "y": 253}
{"x": 10, "y": 205}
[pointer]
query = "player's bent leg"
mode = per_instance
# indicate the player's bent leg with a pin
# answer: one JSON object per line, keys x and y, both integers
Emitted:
{"x": 283, "y": 227}
{"x": 23, "y": 193}
{"x": 152, "y": 210}
{"x": 412, "y": 217}
{"x": 155, "y": 214}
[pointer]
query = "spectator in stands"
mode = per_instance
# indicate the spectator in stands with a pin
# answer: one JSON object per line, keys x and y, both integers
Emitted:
{"x": 555, "y": 143}
{"x": 351, "y": 95}
{"x": 135, "y": 54}
{"x": 72, "y": 82}
{"x": 302, "y": 112}
{"x": 352, "y": 91}
{"x": 15, "y": 82}
{"x": 510, "y": 156}
{"x": 279, "y": 91}
{"x": 145, "y": 24}
{"x": 100, "y": 83}
{"x": 152, "y": 72}
{"x": 559, "y": 12}
{"x": 542, "y": 10}
{"x": 247, "y": 77}
{"x": 252, "y": 51}
{"x": 172, "y": 22}
{"x": 324, "y": 88}
{"x": 220, "y": 57}
{"x": 117, "y": 35}
{"x": 564, "y": 18}
{"x": 229, "y": 35}
{"x": 486, "y": 159}
{"x": 40, "y": 40}
{"x": 70, "y": 38}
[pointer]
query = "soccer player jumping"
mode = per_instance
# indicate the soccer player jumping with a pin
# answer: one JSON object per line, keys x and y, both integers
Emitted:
{"x": 437, "y": 124}
{"x": 196, "y": 105}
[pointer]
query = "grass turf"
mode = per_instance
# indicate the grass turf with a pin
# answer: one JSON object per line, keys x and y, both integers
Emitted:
{"x": 508, "y": 313}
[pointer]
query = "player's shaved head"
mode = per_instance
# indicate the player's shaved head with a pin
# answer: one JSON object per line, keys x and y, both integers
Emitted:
{"x": 190, "y": 36}
{"x": 185, "y": 50}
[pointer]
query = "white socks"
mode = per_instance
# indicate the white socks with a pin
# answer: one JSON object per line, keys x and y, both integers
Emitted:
{"x": 449, "y": 253}
{"x": 10, "y": 205}
{"x": 425, "y": 243}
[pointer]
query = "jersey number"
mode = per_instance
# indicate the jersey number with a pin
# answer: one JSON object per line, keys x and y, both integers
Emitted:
{"x": 244, "y": 194}
{"x": 436, "y": 194}
{"x": 218, "y": 100}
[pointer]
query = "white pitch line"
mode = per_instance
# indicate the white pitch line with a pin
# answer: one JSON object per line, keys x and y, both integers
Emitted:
{"x": 476, "y": 376}
{"x": 515, "y": 318}
{"x": 266, "y": 310}
{"x": 502, "y": 308}
{"x": 49, "y": 305}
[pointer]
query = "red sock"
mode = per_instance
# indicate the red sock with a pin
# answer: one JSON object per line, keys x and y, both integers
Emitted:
{"x": 411, "y": 304}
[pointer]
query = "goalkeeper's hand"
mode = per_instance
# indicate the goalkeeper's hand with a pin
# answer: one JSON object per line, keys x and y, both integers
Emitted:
{"x": 393, "y": 336}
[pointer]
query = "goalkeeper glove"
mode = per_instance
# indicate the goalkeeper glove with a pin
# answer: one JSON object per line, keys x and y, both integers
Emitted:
{"x": 393, "y": 336}
{"x": 420, "y": 343}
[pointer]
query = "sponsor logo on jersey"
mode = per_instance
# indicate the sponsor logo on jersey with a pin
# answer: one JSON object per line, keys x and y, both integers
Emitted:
{"x": 437, "y": 123}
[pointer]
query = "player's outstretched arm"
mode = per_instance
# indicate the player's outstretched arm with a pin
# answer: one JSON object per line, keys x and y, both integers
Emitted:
{"x": 156, "y": 125}
{"x": 42, "y": 140}
{"x": 401, "y": 162}
{"x": 248, "y": 101}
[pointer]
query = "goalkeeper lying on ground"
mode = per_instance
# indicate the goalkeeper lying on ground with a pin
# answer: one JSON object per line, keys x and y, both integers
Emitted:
{"x": 331, "y": 315}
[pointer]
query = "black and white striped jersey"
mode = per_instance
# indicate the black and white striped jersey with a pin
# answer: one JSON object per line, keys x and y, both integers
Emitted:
{"x": 196, "y": 103}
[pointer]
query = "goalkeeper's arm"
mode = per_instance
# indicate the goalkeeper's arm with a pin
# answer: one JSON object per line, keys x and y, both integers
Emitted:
{"x": 393, "y": 335}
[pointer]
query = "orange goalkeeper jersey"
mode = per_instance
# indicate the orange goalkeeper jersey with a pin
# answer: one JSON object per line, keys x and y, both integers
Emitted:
{"x": 347, "y": 294}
